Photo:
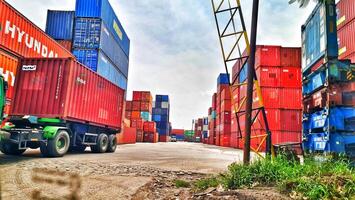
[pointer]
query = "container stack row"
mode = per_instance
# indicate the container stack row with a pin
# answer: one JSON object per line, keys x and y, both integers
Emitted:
{"x": 178, "y": 133}
{"x": 212, "y": 121}
{"x": 279, "y": 73}
{"x": 95, "y": 36}
{"x": 161, "y": 113}
{"x": 189, "y": 136}
{"x": 328, "y": 83}
{"x": 205, "y": 133}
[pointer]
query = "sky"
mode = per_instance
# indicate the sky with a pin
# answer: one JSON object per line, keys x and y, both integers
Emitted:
{"x": 175, "y": 48}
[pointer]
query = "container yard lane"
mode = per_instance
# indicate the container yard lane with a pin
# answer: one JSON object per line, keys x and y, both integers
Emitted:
{"x": 138, "y": 171}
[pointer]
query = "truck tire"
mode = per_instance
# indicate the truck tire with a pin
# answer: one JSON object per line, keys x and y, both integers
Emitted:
{"x": 59, "y": 145}
{"x": 9, "y": 148}
{"x": 112, "y": 144}
{"x": 101, "y": 144}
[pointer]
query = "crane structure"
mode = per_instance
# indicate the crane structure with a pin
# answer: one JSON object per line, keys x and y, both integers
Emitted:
{"x": 237, "y": 50}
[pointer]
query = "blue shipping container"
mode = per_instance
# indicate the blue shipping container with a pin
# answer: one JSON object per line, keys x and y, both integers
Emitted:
{"x": 60, "y": 24}
{"x": 243, "y": 74}
{"x": 325, "y": 142}
{"x": 180, "y": 137}
{"x": 92, "y": 34}
{"x": 97, "y": 61}
{"x": 222, "y": 79}
{"x": 162, "y": 98}
{"x": 157, "y": 118}
{"x": 146, "y": 116}
{"x": 319, "y": 36}
{"x": 334, "y": 119}
{"x": 102, "y": 9}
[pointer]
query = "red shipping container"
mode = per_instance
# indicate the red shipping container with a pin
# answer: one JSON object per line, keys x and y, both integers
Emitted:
{"x": 178, "y": 131}
{"x": 65, "y": 89}
{"x": 214, "y": 101}
{"x": 129, "y": 105}
{"x": 8, "y": 67}
{"x": 270, "y": 95}
{"x": 351, "y": 57}
{"x": 346, "y": 40}
{"x": 225, "y": 140}
{"x": 67, "y": 44}
{"x": 135, "y": 115}
{"x": 225, "y": 117}
{"x": 136, "y": 105}
{"x": 220, "y": 88}
{"x": 280, "y": 137}
{"x": 137, "y": 96}
{"x": 150, "y": 137}
{"x": 23, "y": 38}
{"x": 146, "y": 96}
{"x": 291, "y": 120}
{"x": 345, "y": 12}
{"x": 128, "y": 114}
{"x": 163, "y": 138}
{"x": 267, "y": 56}
{"x": 291, "y": 98}
{"x": 139, "y": 135}
{"x": 291, "y": 77}
{"x": 226, "y": 94}
{"x": 146, "y": 106}
{"x": 268, "y": 76}
{"x": 128, "y": 136}
{"x": 137, "y": 123}
{"x": 226, "y": 105}
{"x": 291, "y": 57}
{"x": 234, "y": 140}
{"x": 335, "y": 94}
{"x": 149, "y": 127}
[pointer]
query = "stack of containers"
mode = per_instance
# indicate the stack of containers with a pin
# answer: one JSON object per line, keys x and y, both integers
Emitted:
{"x": 178, "y": 133}
{"x": 189, "y": 135}
{"x": 60, "y": 26}
{"x": 346, "y": 29}
{"x": 161, "y": 113}
{"x": 223, "y": 111}
{"x": 212, "y": 123}
{"x": 150, "y": 132}
{"x": 328, "y": 85}
{"x": 198, "y": 126}
{"x": 279, "y": 73}
{"x": 204, "y": 134}
{"x": 142, "y": 105}
{"x": 100, "y": 41}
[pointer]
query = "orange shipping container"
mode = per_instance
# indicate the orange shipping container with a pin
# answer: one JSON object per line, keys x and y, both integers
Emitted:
{"x": 136, "y": 115}
{"x": 8, "y": 68}
{"x": 23, "y": 38}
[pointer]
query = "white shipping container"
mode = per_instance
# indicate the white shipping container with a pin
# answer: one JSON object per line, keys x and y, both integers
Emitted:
{"x": 164, "y": 104}
{"x": 205, "y": 127}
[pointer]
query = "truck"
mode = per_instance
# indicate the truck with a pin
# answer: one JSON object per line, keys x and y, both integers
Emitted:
{"x": 59, "y": 106}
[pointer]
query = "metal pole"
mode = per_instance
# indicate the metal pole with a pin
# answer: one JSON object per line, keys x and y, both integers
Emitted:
{"x": 250, "y": 82}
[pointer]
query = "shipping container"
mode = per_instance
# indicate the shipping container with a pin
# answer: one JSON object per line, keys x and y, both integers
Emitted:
{"x": 291, "y": 57}
{"x": 315, "y": 41}
{"x": 342, "y": 94}
{"x": 38, "y": 43}
{"x": 331, "y": 120}
{"x": 92, "y": 34}
{"x": 269, "y": 76}
{"x": 100, "y": 63}
{"x": 324, "y": 142}
{"x": 164, "y": 138}
{"x": 102, "y": 9}
{"x": 127, "y": 136}
{"x": 223, "y": 79}
{"x": 291, "y": 77}
{"x": 60, "y": 24}
{"x": 290, "y": 98}
{"x": 140, "y": 136}
{"x": 345, "y": 12}
{"x": 150, "y": 137}
{"x": 65, "y": 89}
{"x": 8, "y": 69}
{"x": 346, "y": 40}
{"x": 67, "y": 44}
{"x": 267, "y": 55}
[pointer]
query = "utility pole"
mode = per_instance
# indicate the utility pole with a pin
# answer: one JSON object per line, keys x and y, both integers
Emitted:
{"x": 250, "y": 82}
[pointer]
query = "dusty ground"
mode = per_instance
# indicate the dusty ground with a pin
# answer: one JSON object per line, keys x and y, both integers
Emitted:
{"x": 139, "y": 171}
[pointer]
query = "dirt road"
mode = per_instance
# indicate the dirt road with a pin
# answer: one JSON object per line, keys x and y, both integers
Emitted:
{"x": 139, "y": 171}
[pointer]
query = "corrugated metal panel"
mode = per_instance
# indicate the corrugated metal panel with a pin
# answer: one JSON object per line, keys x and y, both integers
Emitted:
{"x": 267, "y": 55}
{"x": 8, "y": 69}
{"x": 313, "y": 38}
{"x": 97, "y": 61}
{"x": 63, "y": 88}
{"x": 60, "y": 24}
{"x": 291, "y": 57}
{"x": 38, "y": 44}
{"x": 102, "y": 9}
{"x": 67, "y": 44}
{"x": 269, "y": 76}
{"x": 345, "y": 12}
{"x": 346, "y": 40}
{"x": 92, "y": 33}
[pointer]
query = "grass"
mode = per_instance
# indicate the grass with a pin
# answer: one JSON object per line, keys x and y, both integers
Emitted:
{"x": 181, "y": 183}
{"x": 332, "y": 179}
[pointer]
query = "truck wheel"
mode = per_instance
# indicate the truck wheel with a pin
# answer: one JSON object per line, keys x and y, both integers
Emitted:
{"x": 9, "y": 148}
{"x": 101, "y": 144}
{"x": 59, "y": 145}
{"x": 112, "y": 143}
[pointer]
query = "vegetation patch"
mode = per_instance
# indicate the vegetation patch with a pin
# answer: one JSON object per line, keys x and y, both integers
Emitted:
{"x": 181, "y": 183}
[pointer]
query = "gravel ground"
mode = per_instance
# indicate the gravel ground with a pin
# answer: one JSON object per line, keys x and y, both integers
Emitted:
{"x": 139, "y": 171}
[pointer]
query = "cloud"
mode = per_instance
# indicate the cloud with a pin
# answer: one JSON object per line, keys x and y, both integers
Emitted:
{"x": 175, "y": 48}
